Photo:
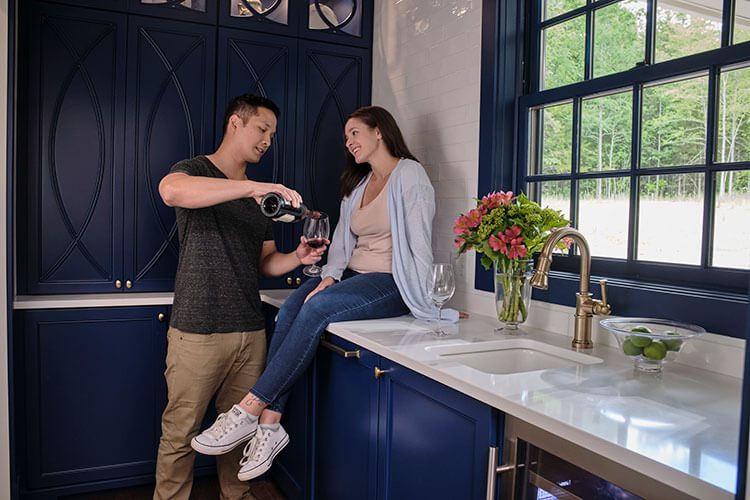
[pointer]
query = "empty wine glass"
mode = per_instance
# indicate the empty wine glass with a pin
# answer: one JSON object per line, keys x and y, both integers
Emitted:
{"x": 441, "y": 285}
{"x": 316, "y": 232}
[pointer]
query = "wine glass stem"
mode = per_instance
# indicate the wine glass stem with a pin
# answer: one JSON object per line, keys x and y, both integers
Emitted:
{"x": 440, "y": 313}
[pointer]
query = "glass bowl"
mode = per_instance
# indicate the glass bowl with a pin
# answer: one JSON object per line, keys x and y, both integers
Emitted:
{"x": 650, "y": 342}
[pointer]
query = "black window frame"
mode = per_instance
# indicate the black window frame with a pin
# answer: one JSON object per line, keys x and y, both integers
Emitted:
{"x": 715, "y": 298}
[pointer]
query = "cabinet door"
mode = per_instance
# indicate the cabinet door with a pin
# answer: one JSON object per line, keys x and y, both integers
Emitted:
{"x": 434, "y": 441}
{"x": 291, "y": 468}
{"x": 72, "y": 105}
{"x": 199, "y": 11}
{"x": 346, "y": 422}
{"x": 169, "y": 118}
{"x": 118, "y": 5}
{"x": 265, "y": 65}
{"x": 334, "y": 81}
{"x": 269, "y": 16}
{"x": 338, "y": 21}
{"x": 94, "y": 393}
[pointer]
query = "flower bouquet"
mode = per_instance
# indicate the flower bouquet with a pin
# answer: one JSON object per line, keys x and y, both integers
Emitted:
{"x": 507, "y": 230}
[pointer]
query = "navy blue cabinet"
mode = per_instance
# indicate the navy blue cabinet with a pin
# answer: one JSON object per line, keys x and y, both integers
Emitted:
{"x": 291, "y": 468}
{"x": 383, "y": 431}
{"x": 342, "y": 22}
{"x": 346, "y": 422}
{"x": 169, "y": 117}
{"x": 70, "y": 165}
{"x": 200, "y": 11}
{"x": 91, "y": 395}
{"x": 99, "y": 140}
{"x": 333, "y": 82}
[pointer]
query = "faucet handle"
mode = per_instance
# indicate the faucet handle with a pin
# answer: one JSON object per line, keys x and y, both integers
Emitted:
{"x": 601, "y": 307}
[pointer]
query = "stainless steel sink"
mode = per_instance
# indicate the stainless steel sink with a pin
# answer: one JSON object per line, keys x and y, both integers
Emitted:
{"x": 512, "y": 356}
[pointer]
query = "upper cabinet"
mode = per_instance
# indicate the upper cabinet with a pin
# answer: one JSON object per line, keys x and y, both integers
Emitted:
{"x": 199, "y": 11}
{"x": 109, "y": 100}
{"x": 338, "y": 21}
{"x": 104, "y": 125}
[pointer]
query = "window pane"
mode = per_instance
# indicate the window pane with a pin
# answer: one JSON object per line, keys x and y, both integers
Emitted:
{"x": 563, "y": 45}
{"x": 741, "y": 21}
{"x": 553, "y": 8}
{"x": 685, "y": 28}
{"x": 670, "y": 218}
{"x": 674, "y": 123}
{"x": 619, "y": 37}
{"x": 552, "y": 136}
{"x": 552, "y": 194}
{"x": 606, "y": 132}
{"x": 732, "y": 219}
{"x": 603, "y": 215}
{"x": 733, "y": 116}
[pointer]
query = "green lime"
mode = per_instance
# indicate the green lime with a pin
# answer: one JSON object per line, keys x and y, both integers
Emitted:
{"x": 629, "y": 349}
{"x": 641, "y": 329}
{"x": 655, "y": 350}
{"x": 672, "y": 345}
{"x": 640, "y": 340}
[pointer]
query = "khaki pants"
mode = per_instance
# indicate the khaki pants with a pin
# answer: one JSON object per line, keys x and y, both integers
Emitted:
{"x": 199, "y": 366}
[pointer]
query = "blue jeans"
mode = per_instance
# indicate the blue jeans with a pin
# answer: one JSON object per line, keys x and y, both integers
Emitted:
{"x": 300, "y": 325}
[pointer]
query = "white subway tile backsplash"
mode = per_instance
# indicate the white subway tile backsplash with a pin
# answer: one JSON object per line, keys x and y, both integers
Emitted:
{"x": 426, "y": 70}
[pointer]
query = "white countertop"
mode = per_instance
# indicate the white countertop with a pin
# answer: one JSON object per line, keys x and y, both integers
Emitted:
{"x": 680, "y": 428}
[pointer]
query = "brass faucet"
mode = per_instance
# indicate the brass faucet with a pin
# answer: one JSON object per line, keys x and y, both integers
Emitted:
{"x": 586, "y": 305}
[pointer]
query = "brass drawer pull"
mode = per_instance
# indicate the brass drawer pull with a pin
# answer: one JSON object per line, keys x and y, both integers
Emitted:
{"x": 379, "y": 373}
{"x": 298, "y": 281}
{"x": 289, "y": 280}
{"x": 161, "y": 317}
{"x": 338, "y": 350}
{"x": 118, "y": 284}
{"x": 128, "y": 284}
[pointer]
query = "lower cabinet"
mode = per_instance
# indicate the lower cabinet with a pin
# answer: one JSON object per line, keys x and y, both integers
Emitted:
{"x": 383, "y": 431}
{"x": 89, "y": 393}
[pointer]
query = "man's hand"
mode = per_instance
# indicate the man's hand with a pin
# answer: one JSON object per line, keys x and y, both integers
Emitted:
{"x": 259, "y": 189}
{"x": 324, "y": 283}
{"x": 309, "y": 255}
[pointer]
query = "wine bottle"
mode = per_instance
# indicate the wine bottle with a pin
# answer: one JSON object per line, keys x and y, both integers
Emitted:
{"x": 275, "y": 207}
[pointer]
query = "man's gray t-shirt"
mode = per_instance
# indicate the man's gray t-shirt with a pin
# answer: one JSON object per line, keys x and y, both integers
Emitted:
{"x": 216, "y": 286}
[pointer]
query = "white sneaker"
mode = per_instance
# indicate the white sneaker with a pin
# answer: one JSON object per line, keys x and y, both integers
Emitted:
{"x": 260, "y": 452}
{"x": 230, "y": 430}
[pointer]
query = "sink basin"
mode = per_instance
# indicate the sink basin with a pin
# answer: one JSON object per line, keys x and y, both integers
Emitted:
{"x": 512, "y": 356}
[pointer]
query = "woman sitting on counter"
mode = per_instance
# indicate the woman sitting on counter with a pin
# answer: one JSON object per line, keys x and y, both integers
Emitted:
{"x": 378, "y": 266}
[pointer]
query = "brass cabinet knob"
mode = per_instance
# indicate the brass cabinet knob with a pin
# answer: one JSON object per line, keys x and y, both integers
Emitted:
{"x": 289, "y": 281}
{"x": 118, "y": 284}
{"x": 161, "y": 317}
{"x": 379, "y": 373}
{"x": 128, "y": 284}
{"x": 298, "y": 281}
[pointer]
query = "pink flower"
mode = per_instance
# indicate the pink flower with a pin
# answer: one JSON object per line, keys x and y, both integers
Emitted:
{"x": 466, "y": 222}
{"x": 497, "y": 244}
{"x": 509, "y": 243}
{"x": 496, "y": 199}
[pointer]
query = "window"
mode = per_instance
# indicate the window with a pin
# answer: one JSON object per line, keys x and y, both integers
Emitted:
{"x": 634, "y": 120}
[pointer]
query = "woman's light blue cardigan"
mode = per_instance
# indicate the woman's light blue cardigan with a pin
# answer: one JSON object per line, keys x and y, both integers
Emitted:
{"x": 411, "y": 207}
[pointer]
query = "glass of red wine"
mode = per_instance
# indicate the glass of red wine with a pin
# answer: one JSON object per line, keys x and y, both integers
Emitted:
{"x": 316, "y": 233}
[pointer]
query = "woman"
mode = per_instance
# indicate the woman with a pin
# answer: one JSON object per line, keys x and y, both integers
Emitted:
{"x": 378, "y": 265}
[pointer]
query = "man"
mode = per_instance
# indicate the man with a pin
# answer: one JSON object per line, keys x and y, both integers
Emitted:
{"x": 217, "y": 342}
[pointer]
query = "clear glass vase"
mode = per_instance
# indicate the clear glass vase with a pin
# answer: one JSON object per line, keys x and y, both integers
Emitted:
{"x": 513, "y": 292}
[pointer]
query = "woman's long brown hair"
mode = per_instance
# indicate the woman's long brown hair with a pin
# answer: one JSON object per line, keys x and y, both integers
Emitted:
{"x": 373, "y": 117}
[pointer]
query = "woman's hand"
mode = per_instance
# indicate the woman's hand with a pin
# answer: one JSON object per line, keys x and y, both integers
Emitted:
{"x": 309, "y": 255}
{"x": 324, "y": 283}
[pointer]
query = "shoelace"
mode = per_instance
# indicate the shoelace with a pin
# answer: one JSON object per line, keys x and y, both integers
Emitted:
{"x": 254, "y": 447}
{"x": 223, "y": 425}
